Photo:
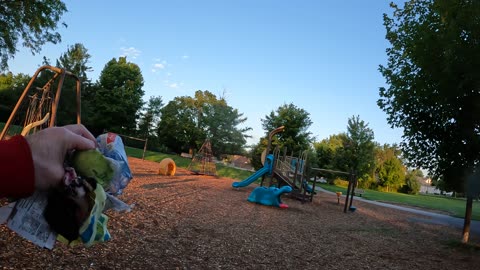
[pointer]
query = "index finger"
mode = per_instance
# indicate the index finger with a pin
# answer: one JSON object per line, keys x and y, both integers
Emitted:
{"x": 81, "y": 130}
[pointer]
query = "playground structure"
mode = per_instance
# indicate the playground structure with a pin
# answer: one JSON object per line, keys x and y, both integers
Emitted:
{"x": 202, "y": 162}
{"x": 281, "y": 170}
{"x": 40, "y": 104}
{"x": 167, "y": 167}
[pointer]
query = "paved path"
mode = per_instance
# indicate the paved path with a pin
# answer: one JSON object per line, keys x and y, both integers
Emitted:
{"x": 434, "y": 218}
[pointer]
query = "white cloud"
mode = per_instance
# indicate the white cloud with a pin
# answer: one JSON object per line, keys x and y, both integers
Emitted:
{"x": 158, "y": 66}
{"x": 173, "y": 85}
{"x": 169, "y": 74}
{"x": 130, "y": 52}
{"x": 185, "y": 57}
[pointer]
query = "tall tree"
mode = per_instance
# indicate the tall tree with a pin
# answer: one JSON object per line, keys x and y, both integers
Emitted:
{"x": 116, "y": 99}
{"x": 33, "y": 22}
{"x": 296, "y": 136}
{"x": 75, "y": 60}
{"x": 150, "y": 117}
{"x": 359, "y": 149}
{"x": 433, "y": 74}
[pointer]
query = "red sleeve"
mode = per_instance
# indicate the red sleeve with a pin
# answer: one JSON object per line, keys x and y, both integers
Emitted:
{"x": 17, "y": 176}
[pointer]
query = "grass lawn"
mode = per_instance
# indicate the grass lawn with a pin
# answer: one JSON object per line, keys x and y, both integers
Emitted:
{"x": 454, "y": 206}
{"x": 222, "y": 170}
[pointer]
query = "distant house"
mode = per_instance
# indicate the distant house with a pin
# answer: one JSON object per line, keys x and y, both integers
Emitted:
{"x": 241, "y": 162}
{"x": 427, "y": 188}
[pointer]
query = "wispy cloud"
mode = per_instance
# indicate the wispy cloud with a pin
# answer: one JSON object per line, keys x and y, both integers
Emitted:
{"x": 185, "y": 57}
{"x": 130, "y": 52}
{"x": 173, "y": 85}
{"x": 158, "y": 65}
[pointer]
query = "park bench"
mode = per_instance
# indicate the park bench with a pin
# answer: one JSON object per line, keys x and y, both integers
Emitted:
{"x": 359, "y": 192}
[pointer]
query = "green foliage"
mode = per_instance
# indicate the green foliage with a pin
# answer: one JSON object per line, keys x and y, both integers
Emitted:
{"x": 32, "y": 22}
{"x": 358, "y": 150}
{"x": 186, "y": 122}
{"x": 340, "y": 182}
{"x": 115, "y": 101}
{"x": 389, "y": 169}
{"x": 11, "y": 87}
{"x": 295, "y": 137}
{"x": 412, "y": 186}
{"x": 328, "y": 152}
{"x": 75, "y": 60}
{"x": 433, "y": 93}
{"x": 150, "y": 117}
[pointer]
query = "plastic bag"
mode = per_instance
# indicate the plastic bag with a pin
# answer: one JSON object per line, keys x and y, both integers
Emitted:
{"x": 111, "y": 146}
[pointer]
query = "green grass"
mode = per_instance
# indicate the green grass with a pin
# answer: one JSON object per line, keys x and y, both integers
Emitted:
{"x": 12, "y": 130}
{"x": 181, "y": 162}
{"x": 453, "y": 206}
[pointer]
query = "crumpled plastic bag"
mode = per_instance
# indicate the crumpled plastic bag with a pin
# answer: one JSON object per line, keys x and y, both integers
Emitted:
{"x": 111, "y": 146}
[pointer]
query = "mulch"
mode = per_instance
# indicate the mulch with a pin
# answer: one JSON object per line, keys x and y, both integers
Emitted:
{"x": 192, "y": 221}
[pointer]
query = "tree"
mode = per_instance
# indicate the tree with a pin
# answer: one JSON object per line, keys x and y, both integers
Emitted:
{"x": 116, "y": 99}
{"x": 11, "y": 87}
{"x": 75, "y": 60}
{"x": 359, "y": 149}
{"x": 389, "y": 170}
{"x": 296, "y": 121}
{"x": 412, "y": 186}
{"x": 328, "y": 150}
{"x": 150, "y": 117}
{"x": 187, "y": 121}
{"x": 33, "y": 22}
{"x": 433, "y": 94}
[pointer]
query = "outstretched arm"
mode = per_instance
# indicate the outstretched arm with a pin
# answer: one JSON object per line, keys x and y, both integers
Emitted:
{"x": 36, "y": 161}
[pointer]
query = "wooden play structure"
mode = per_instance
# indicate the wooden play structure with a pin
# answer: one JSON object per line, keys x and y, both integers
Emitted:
{"x": 37, "y": 106}
{"x": 289, "y": 170}
{"x": 202, "y": 162}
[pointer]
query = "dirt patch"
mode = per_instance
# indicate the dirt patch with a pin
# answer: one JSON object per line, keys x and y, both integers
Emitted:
{"x": 200, "y": 222}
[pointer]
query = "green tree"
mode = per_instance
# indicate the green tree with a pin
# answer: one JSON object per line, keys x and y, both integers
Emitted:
{"x": 433, "y": 94}
{"x": 11, "y": 87}
{"x": 328, "y": 151}
{"x": 33, "y": 22}
{"x": 75, "y": 60}
{"x": 390, "y": 170}
{"x": 187, "y": 121}
{"x": 149, "y": 119}
{"x": 412, "y": 186}
{"x": 116, "y": 99}
{"x": 296, "y": 136}
{"x": 359, "y": 149}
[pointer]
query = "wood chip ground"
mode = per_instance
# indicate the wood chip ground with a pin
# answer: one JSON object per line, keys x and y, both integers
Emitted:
{"x": 192, "y": 221}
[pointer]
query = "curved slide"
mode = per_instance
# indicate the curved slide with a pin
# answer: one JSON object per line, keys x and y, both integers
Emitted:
{"x": 267, "y": 168}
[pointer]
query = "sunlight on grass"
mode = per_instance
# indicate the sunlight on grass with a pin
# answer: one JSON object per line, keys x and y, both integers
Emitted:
{"x": 453, "y": 206}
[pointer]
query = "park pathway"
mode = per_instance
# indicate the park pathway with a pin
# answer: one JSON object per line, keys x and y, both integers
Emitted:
{"x": 434, "y": 218}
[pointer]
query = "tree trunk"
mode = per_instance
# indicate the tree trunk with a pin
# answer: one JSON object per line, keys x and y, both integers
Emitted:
{"x": 468, "y": 217}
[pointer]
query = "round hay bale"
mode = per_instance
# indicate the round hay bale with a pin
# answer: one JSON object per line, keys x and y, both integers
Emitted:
{"x": 167, "y": 167}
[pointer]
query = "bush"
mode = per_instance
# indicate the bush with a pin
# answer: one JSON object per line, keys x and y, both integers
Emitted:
{"x": 412, "y": 186}
{"x": 340, "y": 182}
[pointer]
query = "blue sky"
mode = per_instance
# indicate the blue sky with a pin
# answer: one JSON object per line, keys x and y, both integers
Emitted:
{"x": 322, "y": 56}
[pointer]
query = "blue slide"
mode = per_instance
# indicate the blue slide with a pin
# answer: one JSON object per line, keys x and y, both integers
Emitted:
{"x": 267, "y": 168}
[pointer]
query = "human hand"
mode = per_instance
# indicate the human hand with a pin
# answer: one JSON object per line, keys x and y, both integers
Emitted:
{"x": 49, "y": 148}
